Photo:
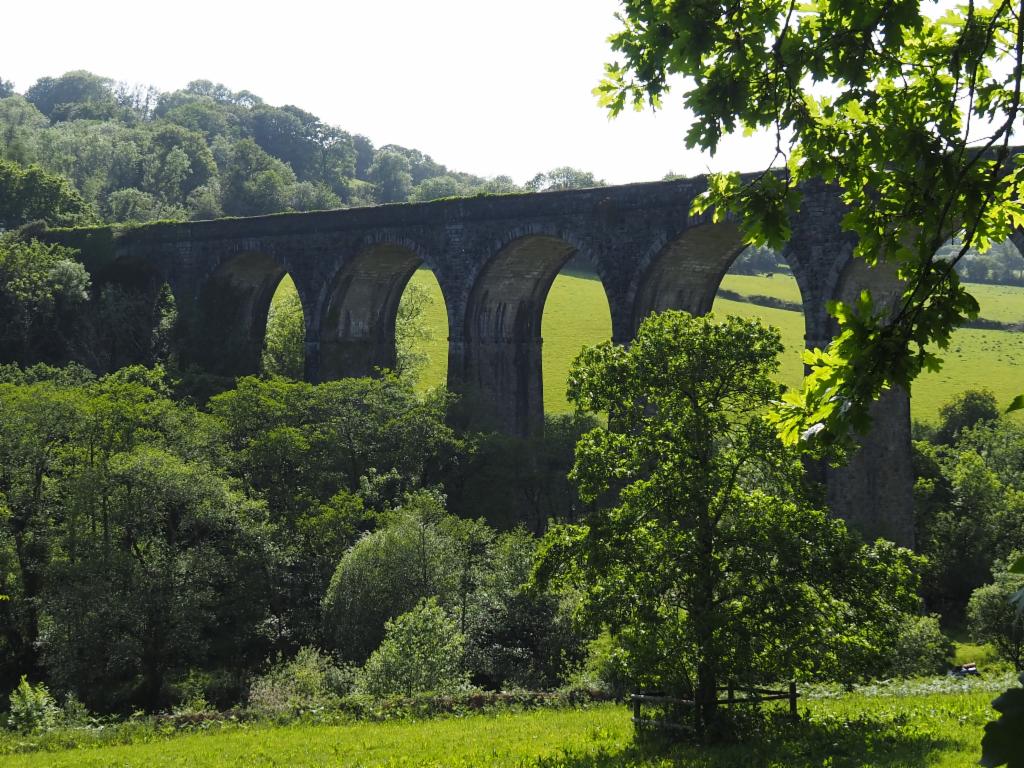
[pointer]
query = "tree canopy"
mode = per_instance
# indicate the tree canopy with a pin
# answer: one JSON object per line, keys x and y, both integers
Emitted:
{"x": 910, "y": 109}
{"x": 706, "y": 559}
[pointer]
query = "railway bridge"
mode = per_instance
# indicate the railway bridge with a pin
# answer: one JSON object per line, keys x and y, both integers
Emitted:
{"x": 495, "y": 258}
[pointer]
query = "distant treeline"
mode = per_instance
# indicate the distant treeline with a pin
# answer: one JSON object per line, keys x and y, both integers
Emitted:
{"x": 136, "y": 154}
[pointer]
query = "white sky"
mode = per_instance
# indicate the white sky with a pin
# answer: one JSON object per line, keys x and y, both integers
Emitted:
{"x": 483, "y": 86}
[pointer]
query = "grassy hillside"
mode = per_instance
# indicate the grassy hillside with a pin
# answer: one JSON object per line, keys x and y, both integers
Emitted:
{"x": 576, "y": 314}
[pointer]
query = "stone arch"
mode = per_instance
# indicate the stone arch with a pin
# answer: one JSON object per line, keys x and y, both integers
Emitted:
{"x": 684, "y": 272}
{"x": 360, "y": 305}
{"x": 500, "y": 370}
{"x": 230, "y": 324}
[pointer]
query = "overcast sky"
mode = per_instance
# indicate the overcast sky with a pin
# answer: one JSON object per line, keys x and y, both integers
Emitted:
{"x": 483, "y": 86}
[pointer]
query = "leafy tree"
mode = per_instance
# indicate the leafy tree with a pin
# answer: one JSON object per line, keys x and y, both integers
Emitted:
{"x": 915, "y": 130}
{"x": 421, "y": 653}
{"x": 387, "y": 572}
{"x": 968, "y": 506}
{"x": 254, "y": 182}
{"x": 32, "y": 194}
{"x": 41, "y": 288}
{"x": 517, "y": 635}
{"x": 77, "y": 95}
{"x": 284, "y": 350}
{"x": 994, "y": 618}
{"x": 20, "y": 124}
{"x": 135, "y": 206}
{"x": 706, "y": 561}
{"x": 964, "y": 411}
{"x": 6, "y": 88}
{"x": 311, "y": 451}
{"x": 391, "y": 174}
{"x": 437, "y": 187}
{"x": 412, "y": 331}
{"x": 564, "y": 177}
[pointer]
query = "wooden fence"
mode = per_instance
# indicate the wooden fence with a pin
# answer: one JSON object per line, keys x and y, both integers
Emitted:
{"x": 735, "y": 695}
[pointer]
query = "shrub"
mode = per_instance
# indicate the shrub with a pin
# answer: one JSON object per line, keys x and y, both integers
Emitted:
{"x": 309, "y": 683}
{"x": 605, "y": 669}
{"x": 32, "y": 708}
{"x": 993, "y": 618}
{"x": 921, "y": 648}
{"x": 421, "y": 653}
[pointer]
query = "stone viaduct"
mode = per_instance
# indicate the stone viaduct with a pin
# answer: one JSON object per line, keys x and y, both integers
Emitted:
{"x": 495, "y": 259}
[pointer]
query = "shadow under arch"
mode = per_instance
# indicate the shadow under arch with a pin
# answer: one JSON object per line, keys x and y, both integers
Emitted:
{"x": 227, "y": 337}
{"x": 686, "y": 271}
{"x": 357, "y": 324}
{"x": 500, "y": 374}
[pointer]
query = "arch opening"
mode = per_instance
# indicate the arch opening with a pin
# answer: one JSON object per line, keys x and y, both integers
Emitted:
{"x": 759, "y": 283}
{"x": 382, "y": 313}
{"x": 284, "y": 341}
{"x": 421, "y": 331}
{"x": 228, "y": 337}
{"x": 502, "y": 366}
{"x": 576, "y": 315}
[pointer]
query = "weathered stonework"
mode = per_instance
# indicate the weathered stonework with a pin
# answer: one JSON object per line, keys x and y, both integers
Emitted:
{"x": 495, "y": 259}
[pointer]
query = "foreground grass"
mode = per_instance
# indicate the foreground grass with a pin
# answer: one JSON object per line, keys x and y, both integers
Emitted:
{"x": 931, "y": 723}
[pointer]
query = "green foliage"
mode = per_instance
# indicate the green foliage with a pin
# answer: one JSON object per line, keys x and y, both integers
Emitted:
{"x": 307, "y": 684}
{"x": 921, "y": 648}
{"x": 32, "y": 708}
{"x": 41, "y": 287}
{"x": 391, "y": 174}
{"x": 387, "y": 572}
{"x": 701, "y": 562}
{"x": 284, "y": 346}
{"x": 994, "y": 617}
{"x": 895, "y": 132}
{"x": 969, "y": 502}
{"x": 412, "y": 334}
{"x": 563, "y": 178}
{"x": 421, "y": 653}
{"x": 32, "y": 194}
{"x": 964, "y": 411}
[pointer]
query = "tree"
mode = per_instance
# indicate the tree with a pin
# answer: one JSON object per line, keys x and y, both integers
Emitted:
{"x": 77, "y": 95}
{"x": 964, "y": 411}
{"x": 914, "y": 129}
{"x": 284, "y": 347}
{"x": 564, "y": 177}
{"x": 42, "y": 287}
{"x": 993, "y": 617}
{"x": 705, "y": 559}
{"x": 391, "y": 173}
{"x": 32, "y": 194}
{"x": 421, "y": 653}
{"x": 387, "y": 572}
{"x": 6, "y": 88}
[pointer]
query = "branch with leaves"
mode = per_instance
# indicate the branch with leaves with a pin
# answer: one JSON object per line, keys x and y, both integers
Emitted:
{"x": 909, "y": 111}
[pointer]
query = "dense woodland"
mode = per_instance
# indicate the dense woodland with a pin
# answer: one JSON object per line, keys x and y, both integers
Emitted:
{"x": 134, "y": 154}
{"x": 159, "y": 547}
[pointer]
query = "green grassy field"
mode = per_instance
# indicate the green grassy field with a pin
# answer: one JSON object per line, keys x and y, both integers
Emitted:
{"x": 576, "y": 314}
{"x": 897, "y": 727}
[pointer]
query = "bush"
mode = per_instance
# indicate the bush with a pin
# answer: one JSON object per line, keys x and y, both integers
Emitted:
{"x": 992, "y": 618}
{"x": 921, "y": 648}
{"x": 421, "y": 653}
{"x": 605, "y": 669}
{"x": 307, "y": 684}
{"x": 32, "y": 708}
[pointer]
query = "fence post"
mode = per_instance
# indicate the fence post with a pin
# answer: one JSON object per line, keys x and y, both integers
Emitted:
{"x": 636, "y": 710}
{"x": 792, "y": 699}
{"x": 731, "y": 694}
